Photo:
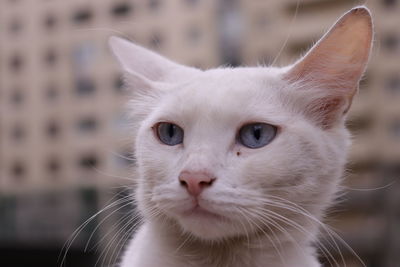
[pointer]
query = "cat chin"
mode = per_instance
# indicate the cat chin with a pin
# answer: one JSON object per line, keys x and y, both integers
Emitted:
{"x": 208, "y": 226}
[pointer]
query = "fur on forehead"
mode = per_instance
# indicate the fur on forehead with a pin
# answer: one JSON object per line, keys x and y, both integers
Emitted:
{"x": 239, "y": 94}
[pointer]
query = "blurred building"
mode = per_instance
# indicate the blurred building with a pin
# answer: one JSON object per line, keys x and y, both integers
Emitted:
{"x": 65, "y": 145}
{"x": 62, "y": 92}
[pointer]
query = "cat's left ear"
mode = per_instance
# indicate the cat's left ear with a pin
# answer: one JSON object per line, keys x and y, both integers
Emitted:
{"x": 146, "y": 67}
{"x": 328, "y": 75}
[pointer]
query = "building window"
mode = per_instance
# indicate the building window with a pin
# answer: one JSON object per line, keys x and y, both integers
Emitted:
{"x": 391, "y": 42}
{"x": 53, "y": 165}
{"x": 89, "y": 161}
{"x": 122, "y": 9}
{"x": 51, "y": 92}
{"x": 50, "y": 22}
{"x": 389, "y": 3}
{"x": 15, "y": 26}
{"x": 87, "y": 125}
{"x": 18, "y": 170}
{"x": 85, "y": 86}
{"x": 154, "y": 5}
{"x": 191, "y": 2}
{"x": 17, "y": 97}
{"x": 16, "y": 63}
{"x": 18, "y": 133}
{"x": 50, "y": 57}
{"x": 82, "y": 16}
{"x": 53, "y": 129}
{"x": 393, "y": 84}
{"x": 394, "y": 128}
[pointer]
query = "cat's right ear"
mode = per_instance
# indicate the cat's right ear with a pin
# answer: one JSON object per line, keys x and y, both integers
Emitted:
{"x": 144, "y": 68}
{"x": 327, "y": 76}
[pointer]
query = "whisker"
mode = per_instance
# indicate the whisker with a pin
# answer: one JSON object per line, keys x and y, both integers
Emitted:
{"x": 102, "y": 221}
{"x": 299, "y": 210}
{"x": 288, "y": 35}
{"x": 371, "y": 189}
{"x": 293, "y": 224}
{"x": 126, "y": 235}
{"x": 188, "y": 237}
{"x": 282, "y": 230}
{"x": 112, "y": 175}
{"x": 269, "y": 238}
{"x": 243, "y": 214}
{"x": 116, "y": 226}
{"x": 331, "y": 234}
{"x": 126, "y": 224}
{"x": 75, "y": 234}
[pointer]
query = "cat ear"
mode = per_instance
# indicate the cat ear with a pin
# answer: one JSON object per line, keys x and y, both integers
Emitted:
{"x": 144, "y": 65}
{"x": 328, "y": 75}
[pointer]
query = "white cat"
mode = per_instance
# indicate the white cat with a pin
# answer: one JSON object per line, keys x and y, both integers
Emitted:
{"x": 237, "y": 165}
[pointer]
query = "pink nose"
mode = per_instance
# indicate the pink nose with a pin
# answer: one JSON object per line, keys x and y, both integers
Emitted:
{"x": 195, "y": 182}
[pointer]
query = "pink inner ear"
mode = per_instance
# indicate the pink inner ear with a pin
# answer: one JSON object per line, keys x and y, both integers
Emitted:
{"x": 328, "y": 111}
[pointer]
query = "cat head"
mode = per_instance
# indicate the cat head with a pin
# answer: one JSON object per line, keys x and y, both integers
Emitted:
{"x": 233, "y": 151}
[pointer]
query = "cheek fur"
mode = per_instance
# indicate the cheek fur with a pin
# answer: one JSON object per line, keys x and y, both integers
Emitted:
{"x": 296, "y": 166}
{"x": 155, "y": 163}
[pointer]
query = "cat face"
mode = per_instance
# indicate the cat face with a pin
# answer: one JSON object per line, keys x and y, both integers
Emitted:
{"x": 234, "y": 152}
{"x": 211, "y": 109}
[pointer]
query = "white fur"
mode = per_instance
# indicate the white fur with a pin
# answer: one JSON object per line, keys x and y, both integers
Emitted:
{"x": 267, "y": 203}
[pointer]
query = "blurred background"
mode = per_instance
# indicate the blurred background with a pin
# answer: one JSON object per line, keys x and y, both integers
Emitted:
{"x": 65, "y": 149}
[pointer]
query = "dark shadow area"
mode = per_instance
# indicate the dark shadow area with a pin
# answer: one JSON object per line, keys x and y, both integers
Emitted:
{"x": 18, "y": 255}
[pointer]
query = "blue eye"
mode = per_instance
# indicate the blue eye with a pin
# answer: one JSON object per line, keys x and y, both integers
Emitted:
{"x": 169, "y": 133}
{"x": 256, "y": 135}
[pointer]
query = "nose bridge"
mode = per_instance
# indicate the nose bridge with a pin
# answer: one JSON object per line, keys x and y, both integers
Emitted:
{"x": 200, "y": 158}
{"x": 206, "y": 146}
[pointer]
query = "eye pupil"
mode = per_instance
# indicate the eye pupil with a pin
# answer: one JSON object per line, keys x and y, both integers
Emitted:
{"x": 257, "y": 132}
{"x": 171, "y": 130}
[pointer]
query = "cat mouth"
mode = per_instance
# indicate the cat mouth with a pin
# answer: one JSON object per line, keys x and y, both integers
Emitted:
{"x": 200, "y": 212}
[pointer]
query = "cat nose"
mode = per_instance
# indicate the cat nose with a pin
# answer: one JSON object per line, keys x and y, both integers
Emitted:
{"x": 195, "y": 182}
